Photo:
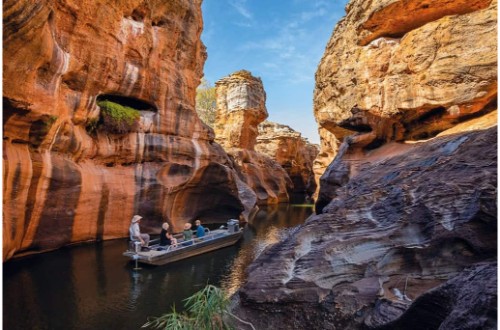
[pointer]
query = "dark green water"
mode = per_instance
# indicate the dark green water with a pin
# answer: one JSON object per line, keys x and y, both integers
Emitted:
{"x": 95, "y": 287}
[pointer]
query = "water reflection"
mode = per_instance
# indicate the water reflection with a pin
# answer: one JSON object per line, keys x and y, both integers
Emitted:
{"x": 268, "y": 227}
{"x": 94, "y": 287}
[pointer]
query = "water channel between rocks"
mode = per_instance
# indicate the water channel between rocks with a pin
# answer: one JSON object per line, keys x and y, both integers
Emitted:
{"x": 95, "y": 287}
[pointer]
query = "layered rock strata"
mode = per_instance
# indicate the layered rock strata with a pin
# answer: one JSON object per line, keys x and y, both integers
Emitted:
{"x": 406, "y": 70}
{"x": 411, "y": 218}
{"x": 241, "y": 107}
{"x": 405, "y": 231}
{"x": 66, "y": 178}
{"x": 293, "y": 152}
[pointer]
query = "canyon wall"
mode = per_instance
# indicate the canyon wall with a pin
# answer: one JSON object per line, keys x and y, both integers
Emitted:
{"x": 405, "y": 235}
{"x": 401, "y": 70}
{"x": 293, "y": 152}
{"x": 67, "y": 178}
{"x": 241, "y": 107}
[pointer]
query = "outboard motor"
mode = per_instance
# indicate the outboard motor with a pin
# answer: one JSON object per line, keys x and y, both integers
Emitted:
{"x": 233, "y": 226}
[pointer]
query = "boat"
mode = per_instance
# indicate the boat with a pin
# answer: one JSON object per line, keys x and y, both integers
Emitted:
{"x": 213, "y": 240}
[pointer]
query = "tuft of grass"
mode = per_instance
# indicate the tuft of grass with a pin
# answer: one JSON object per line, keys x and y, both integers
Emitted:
{"x": 204, "y": 310}
{"x": 117, "y": 118}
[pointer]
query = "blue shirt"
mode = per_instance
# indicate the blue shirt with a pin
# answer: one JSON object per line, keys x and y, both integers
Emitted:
{"x": 200, "y": 231}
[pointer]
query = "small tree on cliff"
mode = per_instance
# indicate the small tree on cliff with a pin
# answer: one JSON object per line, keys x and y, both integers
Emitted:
{"x": 205, "y": 102}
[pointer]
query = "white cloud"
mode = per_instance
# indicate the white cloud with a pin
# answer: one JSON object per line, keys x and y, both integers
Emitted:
{"x": 241, "y": 8}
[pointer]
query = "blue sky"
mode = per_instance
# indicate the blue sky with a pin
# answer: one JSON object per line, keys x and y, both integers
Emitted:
{"x": 280, "y": 41}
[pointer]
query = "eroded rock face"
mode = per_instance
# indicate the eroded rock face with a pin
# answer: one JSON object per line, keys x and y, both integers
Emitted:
{"x": 405, "y": 231}
{"x": 293, "y": 152}
{"x": 241, "y": 108}
{"x": 405, "y": 220}
{"x": 67, "y": 179}
{"x": 407, "y": 70}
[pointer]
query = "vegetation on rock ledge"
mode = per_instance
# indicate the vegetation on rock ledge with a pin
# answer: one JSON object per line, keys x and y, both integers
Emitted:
{"x": 206, "y": 102}
{"x": 117, "y": 118}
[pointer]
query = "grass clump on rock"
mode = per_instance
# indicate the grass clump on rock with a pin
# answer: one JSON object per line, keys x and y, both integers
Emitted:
{"x": 206, "y": 309}
{"x": 117, "y": 118}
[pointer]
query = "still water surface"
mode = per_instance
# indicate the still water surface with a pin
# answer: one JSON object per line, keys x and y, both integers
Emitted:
{"x": 94, "y": 287}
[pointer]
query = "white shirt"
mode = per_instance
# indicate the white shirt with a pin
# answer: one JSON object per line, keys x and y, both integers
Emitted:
{"x": 134, "y": 231}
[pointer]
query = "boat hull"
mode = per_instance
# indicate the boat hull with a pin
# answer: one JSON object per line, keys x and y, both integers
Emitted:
{"x": 216, "y": 240}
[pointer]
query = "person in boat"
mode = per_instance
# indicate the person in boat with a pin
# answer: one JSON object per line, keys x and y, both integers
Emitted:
{"x": 166, "y": 237}
{"x": 188, "y": 234}
{"x": 135, "y": 231}
{"x": 200, "y": 230}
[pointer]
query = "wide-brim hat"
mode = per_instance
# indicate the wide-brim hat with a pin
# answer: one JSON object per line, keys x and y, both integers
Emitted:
{"x": 187, "y": 226}
{"x": 136, "y": 218}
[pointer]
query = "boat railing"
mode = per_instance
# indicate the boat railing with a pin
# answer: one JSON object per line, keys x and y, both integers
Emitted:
{"x": 191, "y": 242}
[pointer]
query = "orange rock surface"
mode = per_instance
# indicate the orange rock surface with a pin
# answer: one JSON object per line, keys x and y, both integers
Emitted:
{"x": 241, "y": 107}
{"x": 293, "y": 152}
{"x": 406, "y": 70}
{"x": 66, "y": 178}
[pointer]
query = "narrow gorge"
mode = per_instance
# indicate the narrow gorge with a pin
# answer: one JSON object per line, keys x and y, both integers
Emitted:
{"x": 100, "y": 123}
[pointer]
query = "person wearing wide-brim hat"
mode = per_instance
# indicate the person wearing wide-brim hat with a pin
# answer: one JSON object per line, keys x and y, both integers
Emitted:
{"x": 135, "y": 231}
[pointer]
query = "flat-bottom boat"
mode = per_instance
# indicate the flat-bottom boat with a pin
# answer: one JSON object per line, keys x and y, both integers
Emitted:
{"x": 213, "y": 240}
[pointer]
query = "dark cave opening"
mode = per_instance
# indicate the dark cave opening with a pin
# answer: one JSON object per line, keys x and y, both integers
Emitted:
{"x": 131, "y": 102}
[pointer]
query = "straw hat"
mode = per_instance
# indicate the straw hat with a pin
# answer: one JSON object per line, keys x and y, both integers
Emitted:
{"x": 187, "y": 226}
{"x": 136, "y": 218}
{"x": 165, "y": 226}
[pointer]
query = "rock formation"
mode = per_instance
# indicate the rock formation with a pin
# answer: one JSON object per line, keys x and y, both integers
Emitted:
{"x": 293, "y": 152}
{"x": 412, "y": 218}
{"x": 407, "y": 70}
{"x": 241, "y": 107}
{"x": 405, "y": 231}
{"x": 66, "y": 177}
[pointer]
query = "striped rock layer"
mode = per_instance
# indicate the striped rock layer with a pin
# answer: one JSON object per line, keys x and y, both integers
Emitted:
{"x": 66, "y": 180}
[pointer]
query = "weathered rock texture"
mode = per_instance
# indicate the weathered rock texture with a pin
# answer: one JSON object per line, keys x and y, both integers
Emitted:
{"x": 293, "y": 152}
{"x": 406, "y": 70}
{"x": 241, "y": 107}
{"x": 411, "y": 217}
{"x": 64, "y": 183}
{"x": 405, "y": 235}
{"x": 328, "y": 149}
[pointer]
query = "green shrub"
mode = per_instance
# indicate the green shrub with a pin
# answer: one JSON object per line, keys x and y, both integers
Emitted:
{"x": 117, "y": 118}
{"x": 206, "y": 309}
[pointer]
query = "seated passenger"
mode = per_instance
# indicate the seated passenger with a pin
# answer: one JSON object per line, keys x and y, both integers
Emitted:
{"x": 188, "y": 234}
{"x": 200, "y": 230}
{"x": 166, "y": 237}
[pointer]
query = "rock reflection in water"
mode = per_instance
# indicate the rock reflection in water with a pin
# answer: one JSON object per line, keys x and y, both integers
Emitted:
{"x": 270, "y": 225}
{"x": 95, "y": 287}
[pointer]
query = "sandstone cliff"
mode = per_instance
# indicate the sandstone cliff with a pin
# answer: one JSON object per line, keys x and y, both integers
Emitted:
{"x": 241, "y": 107}
{"x": 405, "y": 235}
{"x": 407, "y": 70}
{"x": 293, "y": 152}
{"x": 66, "y": 177}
